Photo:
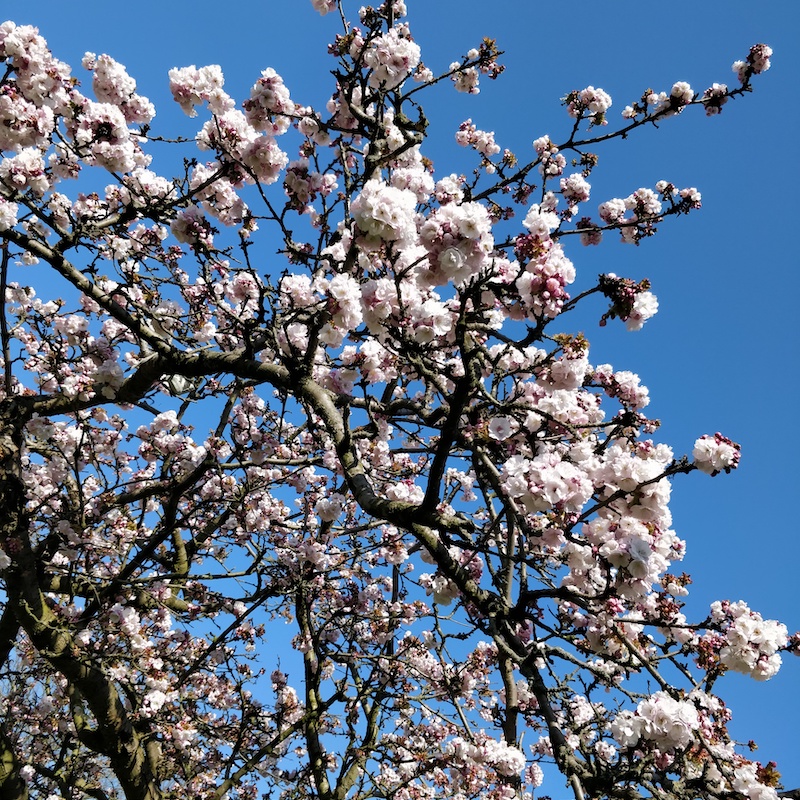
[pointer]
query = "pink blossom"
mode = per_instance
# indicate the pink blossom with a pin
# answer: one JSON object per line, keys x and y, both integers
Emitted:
{"x": 102, "y": 137}
{"x": 644, "y": 307}
{"x": 26, "y": 170}
{"x": 465, "y": 80}
{"x": 324, "y": 6}
{"x": 391, "y": 58}
{"x": 715, "y": 454}
{"x": 501, "y": 427}
{"x": 8, "y": 214}
{"x": 575, "y": 188}
{"x": 112, "y": 84}
{"x": 591, "y": 102}
{"x": 714, "y": 98}
{"x": 384, "y": 213}
{"x": 191, "y": 86}
{"x": 269, "y": 107}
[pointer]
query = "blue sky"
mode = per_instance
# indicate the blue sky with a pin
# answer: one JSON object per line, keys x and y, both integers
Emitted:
{"x": 721, "y": 353}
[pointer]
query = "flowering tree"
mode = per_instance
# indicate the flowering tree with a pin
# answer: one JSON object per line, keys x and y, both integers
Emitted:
{"x": 380, "y": 446}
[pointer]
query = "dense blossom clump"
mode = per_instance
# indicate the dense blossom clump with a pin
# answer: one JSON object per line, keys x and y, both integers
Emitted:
{"x": 391, "y": 58}
{"x": 384, "y": 213}
{"x": 589, "y": 102}
{"x": 717, "y": 453}
{"x": 191, "y": 86}
{"x": 749, "y": 644}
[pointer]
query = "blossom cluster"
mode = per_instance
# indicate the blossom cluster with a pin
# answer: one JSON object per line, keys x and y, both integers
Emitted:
{"x": 715, "y": 454}
{"x": 748, "y": 643}
{"x": 459, "y": 243}
{"x": 391, "y": 58}
{"x": 667, "y": 723}
{"x": 384, "y": 213}
{"x": 589, "y": 102}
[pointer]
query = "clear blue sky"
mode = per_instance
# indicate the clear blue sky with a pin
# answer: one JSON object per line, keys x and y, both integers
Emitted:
{"x": 721, "y": 354}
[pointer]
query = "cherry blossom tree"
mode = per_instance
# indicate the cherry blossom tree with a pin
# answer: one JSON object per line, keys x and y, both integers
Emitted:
{"x": 305, "y": 490}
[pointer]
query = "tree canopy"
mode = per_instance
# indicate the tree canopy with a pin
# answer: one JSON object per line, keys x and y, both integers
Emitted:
{"x": 307, "y": 487}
